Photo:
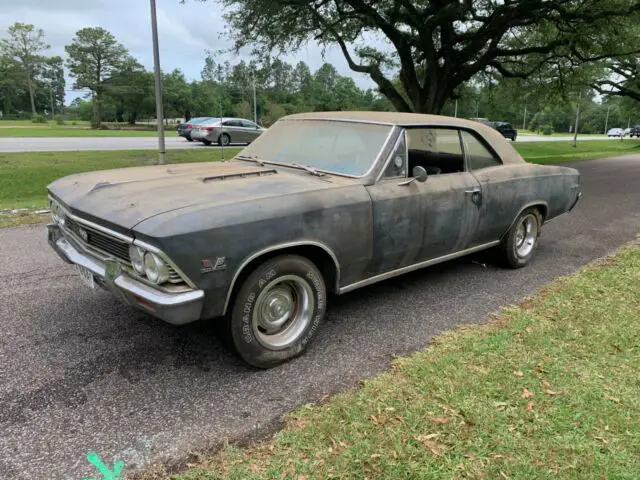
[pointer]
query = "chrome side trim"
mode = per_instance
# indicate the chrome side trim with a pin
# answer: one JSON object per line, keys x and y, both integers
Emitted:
{"x": 415, "y": 266}
{"x": 274, "y": 248}
{"x": 165, "y": 257}
{"x": 95, "y": 226}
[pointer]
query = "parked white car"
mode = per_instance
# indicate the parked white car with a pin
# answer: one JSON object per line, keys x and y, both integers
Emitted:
{"x": 615, "y": 132}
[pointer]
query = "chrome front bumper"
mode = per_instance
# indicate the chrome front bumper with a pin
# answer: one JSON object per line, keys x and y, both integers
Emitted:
{"x": 175, "y": 308}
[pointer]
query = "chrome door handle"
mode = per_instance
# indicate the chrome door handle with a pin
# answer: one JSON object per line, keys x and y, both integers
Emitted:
{"x": 475, "y": 190}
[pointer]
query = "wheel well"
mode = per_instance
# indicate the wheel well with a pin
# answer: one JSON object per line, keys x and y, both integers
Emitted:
{"x": 542, "y": 209}
{"x": 319, "y": 256}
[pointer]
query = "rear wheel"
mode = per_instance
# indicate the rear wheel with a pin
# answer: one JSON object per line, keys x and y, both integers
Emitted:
{"x": 224, "y": 140}
{"x": 518, "y": 246}
{"x": 277, "y": 311}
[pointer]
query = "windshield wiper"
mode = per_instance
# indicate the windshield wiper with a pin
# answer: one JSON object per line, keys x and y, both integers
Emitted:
{"x": 309, "y": 169}
{"x": 251, "y": 158}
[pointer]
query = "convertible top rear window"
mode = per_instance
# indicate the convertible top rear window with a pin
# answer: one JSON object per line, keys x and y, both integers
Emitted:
{"x": 348, "y": 148}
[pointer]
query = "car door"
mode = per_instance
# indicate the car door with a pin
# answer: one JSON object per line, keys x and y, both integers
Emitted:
{"x": 503, "y": 188}
{"x": 420, "y": 221}
{"x": 251, "y": 130}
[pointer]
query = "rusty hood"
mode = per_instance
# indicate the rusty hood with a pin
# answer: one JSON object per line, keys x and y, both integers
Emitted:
{"x": 125, "y": 197}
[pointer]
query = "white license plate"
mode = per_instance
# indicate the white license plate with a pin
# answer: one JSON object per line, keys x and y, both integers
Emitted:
{"x": 86, "y": 277}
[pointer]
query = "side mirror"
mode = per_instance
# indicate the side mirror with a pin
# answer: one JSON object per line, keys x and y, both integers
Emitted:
{"x": 419, "y": 173}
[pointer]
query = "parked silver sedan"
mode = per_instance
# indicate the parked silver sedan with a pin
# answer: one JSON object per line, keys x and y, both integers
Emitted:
{"x": 225, "y": 131}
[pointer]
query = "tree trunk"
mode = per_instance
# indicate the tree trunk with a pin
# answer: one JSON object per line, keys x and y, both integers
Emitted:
{"x": 31, "y": 93}
{"x": 97, "y": 111}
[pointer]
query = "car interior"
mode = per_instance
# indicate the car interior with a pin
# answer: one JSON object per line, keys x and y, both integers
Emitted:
{"x": 438, "y": 151}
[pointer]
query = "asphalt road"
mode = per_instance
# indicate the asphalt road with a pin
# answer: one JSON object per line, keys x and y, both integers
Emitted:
{"x": 80, "y": 372}
{"x": 42, "y": 144}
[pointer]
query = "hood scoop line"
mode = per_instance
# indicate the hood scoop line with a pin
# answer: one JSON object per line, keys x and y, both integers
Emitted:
{"x": 228, "y": 176}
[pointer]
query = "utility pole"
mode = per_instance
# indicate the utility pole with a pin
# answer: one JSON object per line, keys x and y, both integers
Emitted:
{"x": 158, "y": 82}
{"x": 455, "y": 111}
{"x": 524, "y": 121}
{"x": 606, "y": 120}
{"x": 575, "y": 133}
{"x": 255, "y": 105}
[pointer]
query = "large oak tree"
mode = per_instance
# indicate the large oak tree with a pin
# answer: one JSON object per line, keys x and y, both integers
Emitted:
{"x": 431, "y": 47}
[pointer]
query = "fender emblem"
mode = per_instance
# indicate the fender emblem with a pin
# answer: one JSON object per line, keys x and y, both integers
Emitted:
{"x": 208, "y": 266}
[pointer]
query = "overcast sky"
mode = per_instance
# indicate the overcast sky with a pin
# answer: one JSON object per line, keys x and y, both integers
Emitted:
{"x": 185, "y": 31}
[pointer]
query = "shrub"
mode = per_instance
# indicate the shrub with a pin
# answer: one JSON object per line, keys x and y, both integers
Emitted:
{"x": 60, "y": 120}
{"x": 38, "y": 118}
{"x": 547, "y": 129}
{"x": 74, "y": 123}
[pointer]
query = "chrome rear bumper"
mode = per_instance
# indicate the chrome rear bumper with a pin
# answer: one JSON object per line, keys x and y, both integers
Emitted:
{"x": 175, "y": 308}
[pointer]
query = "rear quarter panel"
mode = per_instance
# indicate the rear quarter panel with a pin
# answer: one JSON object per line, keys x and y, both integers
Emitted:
{"x": 507, "y": 190}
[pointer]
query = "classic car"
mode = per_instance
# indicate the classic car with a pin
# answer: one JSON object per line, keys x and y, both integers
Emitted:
{"x": 321, "y": 203}
{"x": 225, "y": 131}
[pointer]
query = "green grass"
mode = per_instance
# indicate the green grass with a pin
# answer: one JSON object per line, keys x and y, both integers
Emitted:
{"x": 26, "y": 128}
{"x": 25, "y": 176}
{"x": 548, "y": 389}
{"x": 558, "y": 152}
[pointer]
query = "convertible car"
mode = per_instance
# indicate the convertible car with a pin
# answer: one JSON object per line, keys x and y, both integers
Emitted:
{"x": 321, "y": 203}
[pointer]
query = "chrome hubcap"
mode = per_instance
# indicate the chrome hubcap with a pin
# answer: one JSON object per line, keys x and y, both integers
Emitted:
{"x": 526, "y": 235}
{"x": 282, "y": 311}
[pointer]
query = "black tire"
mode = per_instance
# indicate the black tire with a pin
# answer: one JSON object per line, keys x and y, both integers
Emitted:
{"x": 189, "y": 139}
{"x": 206, "y": 142}
{"x": 286, "y": 283}
{"x": 224, "y": 140}
{"x": 516, "y": 250}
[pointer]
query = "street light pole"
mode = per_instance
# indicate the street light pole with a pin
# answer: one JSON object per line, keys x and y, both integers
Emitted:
{"x": 606, "y": 121}
{"x": 524, "y": 121}
{"x": 158, "y": 82}
{"x": 575, "y": 133}
{"x": 455, "y": 112}
{"x": 255, "y": 106}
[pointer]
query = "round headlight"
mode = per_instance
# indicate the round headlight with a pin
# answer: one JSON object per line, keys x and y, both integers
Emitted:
{"x": 58, "y": 214}
{"x": 156, "y": 270}
{"x": 136, "y": 254}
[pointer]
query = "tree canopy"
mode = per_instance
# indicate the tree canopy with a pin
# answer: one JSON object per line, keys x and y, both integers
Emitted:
{"x": 94, "y": 55}
{"x": 434, "y": 46}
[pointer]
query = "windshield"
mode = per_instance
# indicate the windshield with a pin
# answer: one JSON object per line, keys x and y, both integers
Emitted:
{"x": 332, "y": 146}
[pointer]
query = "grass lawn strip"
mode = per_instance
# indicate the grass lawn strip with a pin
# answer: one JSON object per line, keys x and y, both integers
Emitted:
{"x": 24, "y": 176}
{"x": 548, "y": 389}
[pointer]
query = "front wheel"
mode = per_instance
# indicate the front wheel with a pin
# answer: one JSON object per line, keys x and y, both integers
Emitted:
{"x": 519, "y": 244}
{"x": 277, "y": 311}
{"x": 206, "y": 142}
{"x": 189, "y": 139}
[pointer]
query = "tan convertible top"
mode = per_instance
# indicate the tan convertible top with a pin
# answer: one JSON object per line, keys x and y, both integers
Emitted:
{"x": 507, "y": 153}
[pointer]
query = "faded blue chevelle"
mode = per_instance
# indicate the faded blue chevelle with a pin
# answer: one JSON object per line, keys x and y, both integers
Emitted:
{"x": 321, "y": 203}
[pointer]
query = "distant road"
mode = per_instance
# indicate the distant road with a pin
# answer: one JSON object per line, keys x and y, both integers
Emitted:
{"x": 58, "y": 144}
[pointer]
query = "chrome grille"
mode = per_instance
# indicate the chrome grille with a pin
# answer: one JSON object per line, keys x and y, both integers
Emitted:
{"x": 99, "y": 241}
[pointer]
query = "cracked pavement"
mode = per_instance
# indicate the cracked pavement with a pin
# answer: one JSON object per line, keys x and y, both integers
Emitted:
{"x": 79, "y": 372}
